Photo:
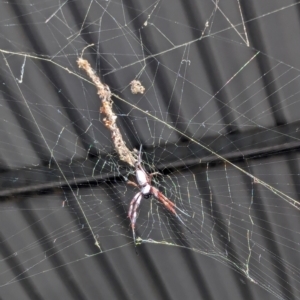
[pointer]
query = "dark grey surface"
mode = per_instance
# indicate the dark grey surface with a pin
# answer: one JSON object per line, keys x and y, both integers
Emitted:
{"x": 46, "y": 250}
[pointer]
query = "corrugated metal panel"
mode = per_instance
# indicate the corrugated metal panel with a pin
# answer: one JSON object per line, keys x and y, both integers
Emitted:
{"x": 205, "y": 87}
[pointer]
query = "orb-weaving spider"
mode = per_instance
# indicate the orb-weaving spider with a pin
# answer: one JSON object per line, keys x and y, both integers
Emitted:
{"x": 147, "y": 190}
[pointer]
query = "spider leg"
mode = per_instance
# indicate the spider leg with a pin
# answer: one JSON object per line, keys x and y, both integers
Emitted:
{"x": 152, "y": 174}
{"x": 140, "y": 155}
{"x": 183, "y": 212}
{"x": 177, "y": 216}
{"x": 163, "y": 199}
{"x": 169, "y": 205}
{"x": 132, "y": 183}
{"x": 132, "y": 213}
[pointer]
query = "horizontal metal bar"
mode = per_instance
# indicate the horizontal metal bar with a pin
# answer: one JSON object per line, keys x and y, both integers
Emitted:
{"x": 234, "y": 147}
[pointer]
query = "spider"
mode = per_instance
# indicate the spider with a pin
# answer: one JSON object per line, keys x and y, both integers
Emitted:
{"x": 147, "y": 190}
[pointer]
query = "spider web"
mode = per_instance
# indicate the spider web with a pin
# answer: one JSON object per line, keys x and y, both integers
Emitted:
{"x": 218, "y": 119}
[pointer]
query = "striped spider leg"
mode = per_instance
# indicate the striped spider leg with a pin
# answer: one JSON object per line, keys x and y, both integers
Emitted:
{"x": 147, "y": 190}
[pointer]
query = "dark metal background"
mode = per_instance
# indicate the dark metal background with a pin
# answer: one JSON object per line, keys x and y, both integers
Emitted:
{"x": 261, "y": 135}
